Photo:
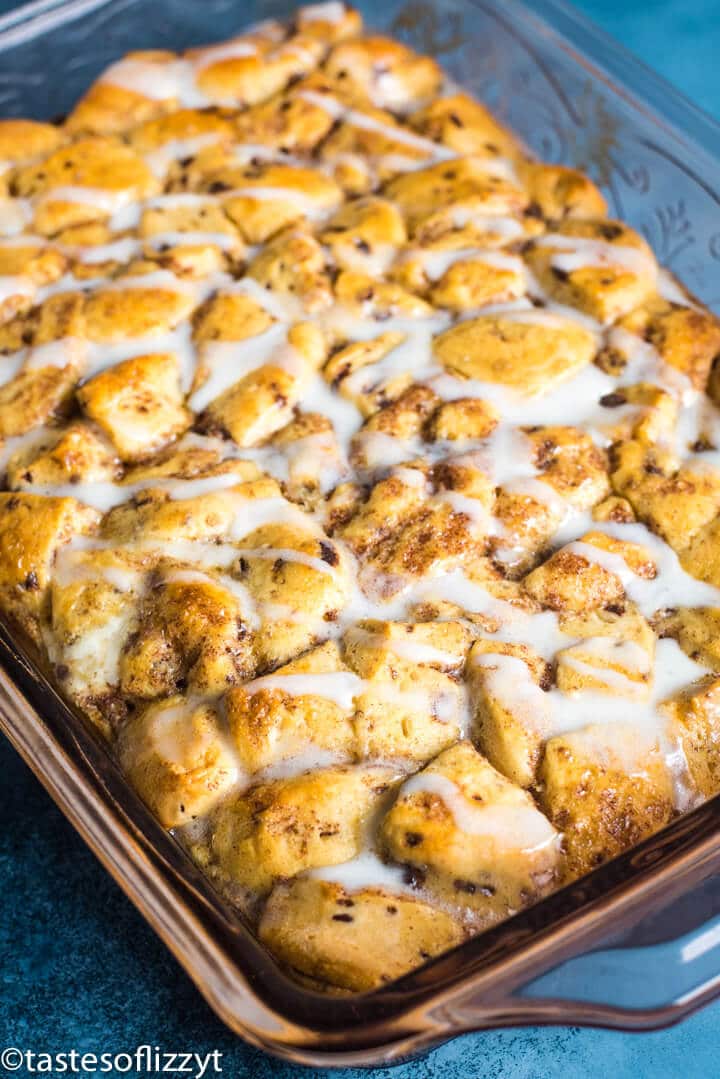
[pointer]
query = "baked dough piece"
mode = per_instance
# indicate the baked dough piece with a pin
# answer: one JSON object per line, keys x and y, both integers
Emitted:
{"x": 116, "y": 102}
{"x": 477, "y": 839}
{"x": 356, "y": 371}
{"x": 576, "y": 578}
{"x": 294, "y": 265}
{"x": 21, "y": 141}
{"x": 290, "y": 571}
{"x": 289, "y": 123}
{"x": 465, "y": 126}
{"x": 74, "y": 454}
{"x": 383, "y": 72}
{"x": 467, "y": 185}
{"x": 357, "y": 939}
{"x": 560, "y": 192}
{"x": 229, "y": 316}
{"x": 249, "y": 77}
{"x": 201, "y": 216}
{"x": 170, "y": 141}
{"x": 481, "y": 597}
{"x": 35, "y": 396}
{"x": 409, "y": 705}
{"x": 405, "y": 531}
{"x": 365, "y": 233}
{"x": 281, "y": 828}
{"x": 571, "y": 475}
{"x": 461, "y": 420}
{"x": 95, "y": 596}
{"x": 300, "y": 578}
{"x": 462, "y": 279}
{"x": 177, "y": 758}
{"x": 148, "y": 84}
{"x": 477, "y": 220}
{"x": 618, "y": 667}
{"x": 131, "y": 307}
{"x": 194, "y": 630}
{"x": 681, "y": 504}
{"x": 32, "y": 529}
{"x": 390, "y": 694}
{"x": 329, "y": 22}
{"x": 367, "y": 147}
{"x": 138, "y": 403}
{"x": 304, "y": 707}
{"x": 396, "y": 428}
{"x": 25, "y": 266}
{"x": 138, "y": 306}
{"x": 602, "y": 267}
{"x": 694, "y": 715}
{"x": 530, "y": 353}
{"x": 194, "y": 239}
{"x": 510, "y": 736}
{"x": 696, "y": 630}
{"x": 605, "y": 788}
{"x": 316, "y": 460}
{"x": 100, "y": 166}
{"x": 599, "y": 652}
{"x": 645, "y": 414}
{"x": 614, "y": 655}
{"x": 686, "y": 338}
{"x": 265, "y": 197}
{"x": 191, "y": 457}
{"x": 205, "y": 125}
{"x": 210, "y": 516}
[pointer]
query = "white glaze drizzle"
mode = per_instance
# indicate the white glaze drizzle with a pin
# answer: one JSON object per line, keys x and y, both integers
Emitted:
{"x": 513, "y": 826}
{"x": 339, "y": 687}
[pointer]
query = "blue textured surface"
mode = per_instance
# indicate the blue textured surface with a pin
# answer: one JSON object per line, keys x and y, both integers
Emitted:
{"x": 80, "y": 969}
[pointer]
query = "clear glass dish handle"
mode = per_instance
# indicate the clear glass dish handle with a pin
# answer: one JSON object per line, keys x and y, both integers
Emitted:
{"x": 644, "y": 977}
{"x": 652, "y": 974}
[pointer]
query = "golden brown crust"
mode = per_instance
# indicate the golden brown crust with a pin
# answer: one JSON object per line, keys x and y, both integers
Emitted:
{"x": 357, "y": 940}
{"x": 477, "y": 838}
{"x": 32, "y": 528}
{"x": 282, "y": 828}
{"x": 605, "y": 791}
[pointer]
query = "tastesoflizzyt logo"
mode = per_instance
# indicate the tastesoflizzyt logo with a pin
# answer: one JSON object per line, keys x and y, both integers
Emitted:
{"x": 145, "y": 1060}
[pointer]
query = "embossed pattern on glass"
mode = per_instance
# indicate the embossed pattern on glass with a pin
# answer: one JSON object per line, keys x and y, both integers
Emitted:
{"x": 655, "y": 178}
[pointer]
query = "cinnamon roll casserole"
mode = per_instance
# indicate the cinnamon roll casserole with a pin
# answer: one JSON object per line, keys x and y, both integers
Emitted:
{"x": 360, "y": 485}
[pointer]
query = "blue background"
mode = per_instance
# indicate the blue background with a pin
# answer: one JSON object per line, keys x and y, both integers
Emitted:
{"x": 80, "y": 969}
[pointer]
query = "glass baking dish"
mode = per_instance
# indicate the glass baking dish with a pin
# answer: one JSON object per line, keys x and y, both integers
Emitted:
{"x": 634, "y": 945}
